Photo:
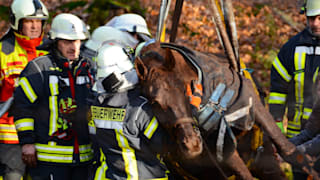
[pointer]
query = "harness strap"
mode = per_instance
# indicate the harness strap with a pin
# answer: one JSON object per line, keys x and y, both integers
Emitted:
{"x": 217, "y": 93}
{"x": 220, "y": 140}
{"x": 206, "y": 111}
{"x": 212, "y": 112}
{"x": 194, "y": 94}
{"x": 226, "y": 98}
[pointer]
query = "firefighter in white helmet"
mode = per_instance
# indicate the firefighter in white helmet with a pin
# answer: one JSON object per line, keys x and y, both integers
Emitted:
{"x": 135, "y": 24}
{"x": 17, "y": 48}
{"x": 50, "y": 106}
{"x": 107, "y": 34}
{"x": 293, "y": 75}
{"x": 134, "y": 126}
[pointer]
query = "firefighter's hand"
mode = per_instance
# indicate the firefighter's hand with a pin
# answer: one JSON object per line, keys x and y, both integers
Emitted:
{"x": 29, "y": 155}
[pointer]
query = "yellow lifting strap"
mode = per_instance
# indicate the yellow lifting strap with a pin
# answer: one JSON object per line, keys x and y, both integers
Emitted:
{"x": 257, "y": 139}
{"x": 163, "y": 33}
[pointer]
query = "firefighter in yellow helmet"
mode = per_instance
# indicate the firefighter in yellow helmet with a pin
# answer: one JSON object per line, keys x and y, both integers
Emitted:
{"x": 293, "y": 75}
{"x": 17, "y": 48}
{"x": 50, "y": 106}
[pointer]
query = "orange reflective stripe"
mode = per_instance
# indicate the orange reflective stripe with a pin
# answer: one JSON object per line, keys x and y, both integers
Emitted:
{"x": 195, "y": 100}
{"x": 8, "y": 136}
{"x": 188, "y": 90}
{"x": 14, "y": 63}
{"x": 198, "y": 89}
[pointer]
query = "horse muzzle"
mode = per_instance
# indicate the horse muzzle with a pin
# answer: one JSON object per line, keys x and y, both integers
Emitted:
{"x": 189, "y": 140}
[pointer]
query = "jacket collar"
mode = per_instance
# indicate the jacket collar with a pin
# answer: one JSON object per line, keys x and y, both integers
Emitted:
{"x": 306, "y": 38}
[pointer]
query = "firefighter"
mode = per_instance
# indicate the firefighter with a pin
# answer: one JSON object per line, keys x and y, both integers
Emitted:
{"x": 105, "y": 34}
{"x": 17, "y": 48}
{"x": 123, "y": 127}
{"x": 293, "y": 74}
{"x": 50, "y": 106}
{"x": 135, "y": 24}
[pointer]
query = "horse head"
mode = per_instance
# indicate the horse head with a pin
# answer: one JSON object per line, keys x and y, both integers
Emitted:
{"x": 159, "y": 71}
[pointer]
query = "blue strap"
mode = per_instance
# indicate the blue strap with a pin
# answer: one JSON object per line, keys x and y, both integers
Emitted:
{"x": 210, "y": 115}
{"x": 207, "y": 110}
{"x": 212, "y": 121}
{"x": 226, "y": 98}
{"x": 217, "y": 93}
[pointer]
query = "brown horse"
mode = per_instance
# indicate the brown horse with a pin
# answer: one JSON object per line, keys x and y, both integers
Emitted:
{"x": 167, "y": 72}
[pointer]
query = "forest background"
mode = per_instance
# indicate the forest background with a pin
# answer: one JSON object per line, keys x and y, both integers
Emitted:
{"x": 263, "y": 26}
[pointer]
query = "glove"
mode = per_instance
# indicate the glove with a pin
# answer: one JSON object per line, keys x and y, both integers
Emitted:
{"x": 302, "y": 162}
{"x": 280, "y": 125}
{"x": 29, "y": 156}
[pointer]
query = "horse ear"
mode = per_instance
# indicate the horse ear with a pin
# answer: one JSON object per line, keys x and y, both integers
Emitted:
{"x": 169, "y": 59}
{"x": 141, "y": 69}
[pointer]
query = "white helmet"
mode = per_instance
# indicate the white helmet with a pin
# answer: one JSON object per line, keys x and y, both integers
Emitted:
{"x": 313, "y": 7}
{"x": 68, "y": 26}
{"x": 130, "y": 22}
{"x": 112, "y": 60}
{"x": 33, "y": 9}
{"x": 108, "y": 33}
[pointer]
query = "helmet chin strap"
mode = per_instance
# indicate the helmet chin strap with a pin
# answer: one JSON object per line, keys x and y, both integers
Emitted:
{"x": 120, "y": 82}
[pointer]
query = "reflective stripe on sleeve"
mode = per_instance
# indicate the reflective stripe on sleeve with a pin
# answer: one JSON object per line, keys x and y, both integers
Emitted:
{"x": 277, "y": 98}
{"x": 25, "y": 124}
{"x": 306, "y": 113}
{"x": 152, "y": 127}
{"x": 281, "y": 69}
{"x": 27, "y": 89}
{"x": 86, "y": 152}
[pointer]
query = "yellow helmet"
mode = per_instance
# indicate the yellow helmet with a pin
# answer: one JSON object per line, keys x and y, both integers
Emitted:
{"x": 313, "y": 7}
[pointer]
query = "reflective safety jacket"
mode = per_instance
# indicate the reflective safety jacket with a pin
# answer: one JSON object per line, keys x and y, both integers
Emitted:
{"x": 16, "y": 51}
{"x": 293, "y": 74}
{"x": 50, "y": 109}
{"x": 124, "y": 129}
